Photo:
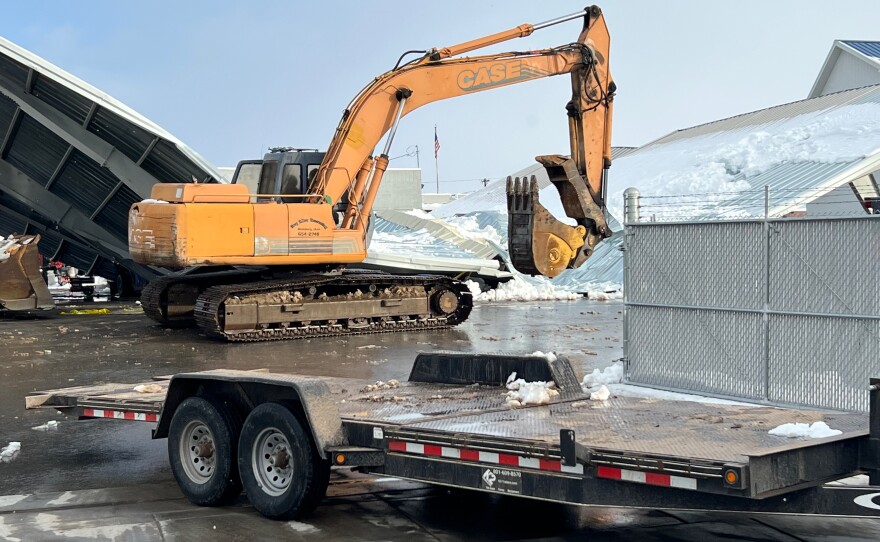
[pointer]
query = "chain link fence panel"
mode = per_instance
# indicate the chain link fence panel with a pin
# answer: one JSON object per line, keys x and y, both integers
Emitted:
{"x": 783, "y": 311}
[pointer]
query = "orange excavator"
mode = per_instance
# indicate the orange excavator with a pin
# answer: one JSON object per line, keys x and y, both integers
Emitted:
{"x": 273, "y": 264}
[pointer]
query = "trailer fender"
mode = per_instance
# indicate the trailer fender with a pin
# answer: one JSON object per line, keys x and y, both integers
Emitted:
{"x": 309, "y": 397}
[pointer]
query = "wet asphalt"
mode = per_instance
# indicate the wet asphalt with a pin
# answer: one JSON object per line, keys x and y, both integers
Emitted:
{"x": 106, "y": 479}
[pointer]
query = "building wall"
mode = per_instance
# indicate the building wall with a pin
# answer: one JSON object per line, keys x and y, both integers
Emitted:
{"x": 850, "y": 72}
{"x": 401, "y": 189}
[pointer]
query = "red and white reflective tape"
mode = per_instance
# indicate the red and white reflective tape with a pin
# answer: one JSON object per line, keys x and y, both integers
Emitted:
{"x": 120, "y": 415}
{"x": 649, "y": 478}
{"x": 465, "y": 454}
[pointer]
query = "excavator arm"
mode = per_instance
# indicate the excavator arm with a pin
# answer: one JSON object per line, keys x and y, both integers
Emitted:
{"x": 539, "y": 242}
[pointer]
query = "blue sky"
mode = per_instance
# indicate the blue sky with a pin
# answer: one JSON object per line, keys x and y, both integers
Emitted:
{"x": 231, "y": 78}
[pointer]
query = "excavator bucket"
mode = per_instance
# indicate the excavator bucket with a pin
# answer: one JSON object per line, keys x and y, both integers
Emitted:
{"x": 21, "y": 284}
{"x": 539, "y": 243}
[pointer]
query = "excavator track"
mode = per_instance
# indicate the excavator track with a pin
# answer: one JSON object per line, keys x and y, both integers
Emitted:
{"x": 169, "y": 300}
{"x": 315, "y": 305}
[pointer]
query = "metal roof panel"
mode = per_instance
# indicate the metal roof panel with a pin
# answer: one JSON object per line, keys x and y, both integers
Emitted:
{"x": 867, "y": 48}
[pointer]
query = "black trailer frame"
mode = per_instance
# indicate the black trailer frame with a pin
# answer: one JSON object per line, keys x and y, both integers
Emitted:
{"x": 449, "y": 425}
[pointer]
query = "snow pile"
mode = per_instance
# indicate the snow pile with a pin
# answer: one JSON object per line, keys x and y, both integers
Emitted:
{"x": 602, "y": 394}
{"x": 148, "y": 388}
{"x": 596, "y": 383}
{"x": 151, "y": 200}
{"x": 600, "y": 295}
{"x": 469, "y": 228}
{"x": 550, "y": 356}
{"x": 529, "y": 393}
{"x": 613, "y": 374}
{"x": 518, "y": 289}
{"x": 10, "y": 452}
{"x": 805, "y": 430}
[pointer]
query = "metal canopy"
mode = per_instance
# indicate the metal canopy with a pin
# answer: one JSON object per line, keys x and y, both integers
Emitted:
{"x": 73, "y": 160}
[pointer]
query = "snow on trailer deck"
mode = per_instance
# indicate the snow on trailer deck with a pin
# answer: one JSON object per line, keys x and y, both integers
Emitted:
{"x": 684, "y": 444}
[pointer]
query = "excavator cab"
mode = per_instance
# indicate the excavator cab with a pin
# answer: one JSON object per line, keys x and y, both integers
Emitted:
{"x": 283, "y": 170}
{"x": 21, "y": 283}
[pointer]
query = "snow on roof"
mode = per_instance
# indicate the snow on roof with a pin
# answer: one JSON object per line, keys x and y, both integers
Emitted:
{"x": 801, "y": 151}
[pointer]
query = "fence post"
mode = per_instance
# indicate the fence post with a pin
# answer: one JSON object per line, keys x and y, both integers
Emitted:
{"x": 631, "y": 205}
{"x": 766, "y": 315}
{"x": 630, "y": 216}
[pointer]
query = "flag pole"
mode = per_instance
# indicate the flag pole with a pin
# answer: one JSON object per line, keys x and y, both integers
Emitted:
{"x": 436, "y": 161}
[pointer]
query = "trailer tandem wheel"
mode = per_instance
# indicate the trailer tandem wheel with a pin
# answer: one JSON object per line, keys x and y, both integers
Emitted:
{"x": 202, "y": 446}
{"x": 281, "y": 471}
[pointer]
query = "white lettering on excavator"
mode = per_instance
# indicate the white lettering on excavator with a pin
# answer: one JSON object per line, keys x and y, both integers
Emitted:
{"x": 488, "y": 76}
{"x": 144, "y": 238}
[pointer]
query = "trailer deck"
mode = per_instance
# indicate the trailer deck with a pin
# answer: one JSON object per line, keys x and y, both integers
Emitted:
{"x": 439, "y": 415}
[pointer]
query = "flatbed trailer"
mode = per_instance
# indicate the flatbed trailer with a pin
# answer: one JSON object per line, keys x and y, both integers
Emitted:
{"x": 277, "y": 435}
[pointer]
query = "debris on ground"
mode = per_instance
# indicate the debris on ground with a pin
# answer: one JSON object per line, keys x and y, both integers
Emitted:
{"x": 380, "y": 385}
{"x": 51, "y": 425}
{"x": 805, "y": 430}
{"x": 10, "y": 452}
{"x": 73, "y": 312}
{"x": 148, "y": 388}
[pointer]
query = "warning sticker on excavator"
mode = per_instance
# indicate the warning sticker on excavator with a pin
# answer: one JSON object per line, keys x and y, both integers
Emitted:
{"x": 355, "y": 137}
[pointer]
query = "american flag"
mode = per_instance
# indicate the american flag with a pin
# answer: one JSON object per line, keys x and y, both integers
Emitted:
{"x": 436, "y": 143}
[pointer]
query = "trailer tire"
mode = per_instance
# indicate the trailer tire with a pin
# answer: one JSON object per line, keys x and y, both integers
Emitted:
{"x": 202, "y": 450}
{"x": 281, "y": 471}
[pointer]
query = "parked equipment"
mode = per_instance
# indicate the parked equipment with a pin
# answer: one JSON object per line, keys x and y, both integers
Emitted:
{"x": 271, "y": 263}
{"x": 22, "y": 286}
{"x": 278, "y": 435}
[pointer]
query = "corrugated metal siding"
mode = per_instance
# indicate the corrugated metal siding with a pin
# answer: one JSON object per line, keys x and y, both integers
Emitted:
{"x": 10, "y": 224}
{"x": 7, "y": 111}
{"x": 76, "y": 255}
{"x": 868, "y": 48}
{"x": 104, "y": 268}
{"x": 13, "y": 71}
{"x": 36, "y": 150}
{"x": 791, "y": 183}
{"x": 49, "y": 243}
{"x": 850, "y": 71}
{"x": 83, "y": 183}
{"x": 168, "y": 165}
{"x": 129, "y": 138}
{"x": 114, "y": 216}
{"x": 61, "y": 98}
{"x": 620, "y": 152}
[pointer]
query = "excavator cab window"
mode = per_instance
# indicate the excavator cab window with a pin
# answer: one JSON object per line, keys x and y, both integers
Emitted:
{"x": 312, "y": 171}
{"x": 291, "y": 181}
{"x": 248, "y": 174}
{"x": 267, "y": 177}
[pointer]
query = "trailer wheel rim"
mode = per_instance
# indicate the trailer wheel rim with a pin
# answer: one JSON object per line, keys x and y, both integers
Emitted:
{"x": 272, "y": 461}
{"x": 197, "y": 452}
